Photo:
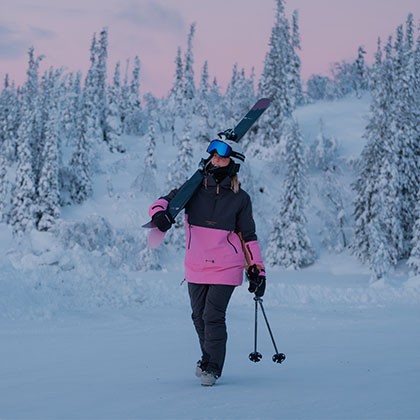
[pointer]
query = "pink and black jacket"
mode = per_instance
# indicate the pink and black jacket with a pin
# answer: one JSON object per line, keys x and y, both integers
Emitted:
{"x": 214, "y": 218}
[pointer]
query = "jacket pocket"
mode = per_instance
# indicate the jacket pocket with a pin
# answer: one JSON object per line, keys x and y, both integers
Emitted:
{"x": 231, "y": 244}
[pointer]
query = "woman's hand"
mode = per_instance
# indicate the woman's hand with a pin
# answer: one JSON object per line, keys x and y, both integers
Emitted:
{"x": 256, "y": 279}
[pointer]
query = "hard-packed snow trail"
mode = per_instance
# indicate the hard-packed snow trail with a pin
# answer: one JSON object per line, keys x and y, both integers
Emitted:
{"x": 343, "y": 362}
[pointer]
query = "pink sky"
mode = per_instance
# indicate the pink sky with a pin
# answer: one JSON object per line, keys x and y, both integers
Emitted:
{"x": 227, "y": 32}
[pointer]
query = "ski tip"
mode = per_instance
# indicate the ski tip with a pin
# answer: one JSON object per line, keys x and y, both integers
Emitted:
{"x": 155, "y": 238}
{"x": 149, "y": 225}
{"x": 263, "y": 103}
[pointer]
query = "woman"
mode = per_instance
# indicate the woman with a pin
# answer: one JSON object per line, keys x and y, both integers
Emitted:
{"x": 219, "y": 229}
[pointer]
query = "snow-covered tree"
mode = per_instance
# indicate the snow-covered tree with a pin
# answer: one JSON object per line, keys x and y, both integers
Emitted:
{"x": 406, "y": 133}
{"x": 176, "y": 100}
{"x": 203, "y": 106}
{"x": 48, "y": 195}
{"x": 81, "y": 160}
{"x": 289, "y": 244}
{"x": 414, "y": 260}
{"x": 319, "y": 87}
{"x": 177, "y": 91}
{"x": 323, "y": 150}
{"x": 178, "y": 172}
{"x": 333, "y": 214}
{"x": 371, "y": 159}
{"x": 296, "y": 81}
{"x": 9, "y": 119}
{"x": 133, "y": 115}
{"x": 389, "y": 172}
{"x": 23, "y": 204}
{"x": 101, "y": 80}
{"x": 343, "y": 76}
{"x": 280, "y": 82}
{"x": 189, "y": 92}
{"x": 113, "y": 123}
{"x": 180, "y": 169}
{"x": 239, "y": 96}
{"x": 146, "y": 180}
{"x": 72, "y": 102}
{"x": 360, "y": 72}
{"x": 3, "y": 185}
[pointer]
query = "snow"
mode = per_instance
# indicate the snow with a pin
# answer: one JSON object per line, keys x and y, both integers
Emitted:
{"x": 87, "y": 333}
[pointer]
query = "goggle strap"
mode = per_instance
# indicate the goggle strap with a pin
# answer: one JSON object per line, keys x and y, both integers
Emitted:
{"x": 238, "y": 155}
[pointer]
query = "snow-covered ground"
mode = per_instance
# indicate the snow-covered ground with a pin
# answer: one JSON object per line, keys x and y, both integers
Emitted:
{"x": 86, "y": 334}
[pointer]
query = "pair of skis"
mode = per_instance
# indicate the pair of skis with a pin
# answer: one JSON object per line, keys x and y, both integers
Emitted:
{"x": 188, "y": 189}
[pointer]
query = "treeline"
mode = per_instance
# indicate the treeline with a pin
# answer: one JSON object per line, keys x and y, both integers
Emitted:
{"x": 387, "y": 205}
{"x": 55, "y": 127}
{"x": 48, "y": 128}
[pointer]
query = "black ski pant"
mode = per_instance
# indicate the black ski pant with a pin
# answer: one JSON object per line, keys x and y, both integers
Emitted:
{"x": 209, "y": 303}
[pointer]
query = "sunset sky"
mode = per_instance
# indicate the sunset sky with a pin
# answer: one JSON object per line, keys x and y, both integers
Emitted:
{"x": 227, "y": 32}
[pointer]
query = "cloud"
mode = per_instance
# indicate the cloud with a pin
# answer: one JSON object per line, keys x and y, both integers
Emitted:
{"x": 14, "y": 43}
{"x": 11, "y": 44}
{"x": 40, "y": 33}
{"x": 151, "y": 14}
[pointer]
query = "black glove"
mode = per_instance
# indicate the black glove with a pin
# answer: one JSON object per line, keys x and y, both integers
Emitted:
{"x": 162, "y": 220}
{"x": 256, "y": 280}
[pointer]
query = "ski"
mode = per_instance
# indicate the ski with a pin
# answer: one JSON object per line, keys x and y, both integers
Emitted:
{"x": 247, "y": 121}
{"x": 183, "y": 195}
{"x": 187, "y": 190}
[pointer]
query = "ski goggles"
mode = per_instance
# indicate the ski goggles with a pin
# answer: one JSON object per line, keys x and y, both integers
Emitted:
{"x": 220, "y": 147}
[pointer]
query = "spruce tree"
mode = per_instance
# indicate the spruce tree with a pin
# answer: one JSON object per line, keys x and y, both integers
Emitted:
{"x": 145, "y": 182}
{"x": 333, "y": 215}
{"x": 289, "y": 244}
{"x": 71, "y": 107}
{"x": 93, "y": 90}
{"x": 180, "y": 168}
{"x": 296, "y": 81}
{"x": 204, "y": 118}
{"x": 179, "y": 172}
{"x": 279, "y": 81}
{"x": 101, "y": 80}
{"x": 176, "y": 100}
{"x": 48, "y": 196}
{"x": 414, "y": 260}
{"x": 133, "y": 116}
{"x": 239, "y": 96}
{"x": 3, "y": 185}
{"x": 406, "y": 131}
{"x": 388, "y": 183}
{"x": 113, "y": 122}
{"x": 189, "y": 92}
{"x": 323, "y": 150}
{"x": 81, "y": 160}
{"x": 360, "y": 73}
{"x": 372, "y": 157}
{"x": 9, "y": 120}
{"x": 23, "y": 203}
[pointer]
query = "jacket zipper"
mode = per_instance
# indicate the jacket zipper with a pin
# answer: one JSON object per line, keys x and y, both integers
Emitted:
{"x": 189, "y": 239}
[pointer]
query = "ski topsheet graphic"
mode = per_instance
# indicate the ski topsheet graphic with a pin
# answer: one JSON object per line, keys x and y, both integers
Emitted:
{"x": 187, "y": 190}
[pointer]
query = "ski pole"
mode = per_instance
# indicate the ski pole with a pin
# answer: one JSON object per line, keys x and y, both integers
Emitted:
{"x": 255, "y": 356}
{"x": 277, "y": 357}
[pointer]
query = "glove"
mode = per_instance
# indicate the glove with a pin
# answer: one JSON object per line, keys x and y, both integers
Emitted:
{"x": 162, "y": 220}
{"x": 256, "y": 280}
